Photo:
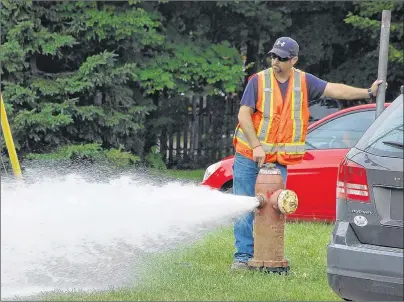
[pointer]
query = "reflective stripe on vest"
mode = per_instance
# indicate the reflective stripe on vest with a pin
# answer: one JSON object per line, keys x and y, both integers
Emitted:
{"x": 297, "y": 108}
{"x": 267, "y": 107}
{"x": 291, "y": 148}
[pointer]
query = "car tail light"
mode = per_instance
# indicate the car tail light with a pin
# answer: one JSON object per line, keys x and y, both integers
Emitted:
{"x": 352, "y": 182}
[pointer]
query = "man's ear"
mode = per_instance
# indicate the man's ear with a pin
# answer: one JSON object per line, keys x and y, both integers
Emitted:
{"x": 294, "y": 60}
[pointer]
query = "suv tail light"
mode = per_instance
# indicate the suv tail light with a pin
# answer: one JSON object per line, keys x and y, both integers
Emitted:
{"x": 352, "y": 182}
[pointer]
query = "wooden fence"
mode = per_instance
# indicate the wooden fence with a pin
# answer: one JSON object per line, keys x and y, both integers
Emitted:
{"x": 202, "y": 133}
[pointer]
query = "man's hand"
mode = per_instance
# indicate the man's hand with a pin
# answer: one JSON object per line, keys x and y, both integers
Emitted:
{"x": 259, "y": 155}
{"x": 375, "y": 87}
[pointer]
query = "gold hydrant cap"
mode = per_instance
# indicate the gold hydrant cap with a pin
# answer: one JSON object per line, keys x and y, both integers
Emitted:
{"x": 287, "y": 201}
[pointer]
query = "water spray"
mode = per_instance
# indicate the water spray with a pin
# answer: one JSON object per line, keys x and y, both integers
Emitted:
{"x": 110, "y": 226}
{"x": 274, "y": 202}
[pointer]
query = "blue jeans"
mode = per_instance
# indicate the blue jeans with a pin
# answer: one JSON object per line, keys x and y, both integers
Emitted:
{"x": 245, "y": 172}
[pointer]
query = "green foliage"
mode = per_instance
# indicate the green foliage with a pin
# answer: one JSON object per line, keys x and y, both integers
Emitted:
{"x": 93, "y": 152}
{"x": 155, "y": 159}
{"x": 368, "y": 21}
{"x": 50, "y": 43}
{"x": 191, "y": 67}
{"x": 396, "y": 55}
{"x": 15, "y": 94}
{"x": 12, "y": 57}
{"x": 365, "y": 19}
{"x": 89, "y": 71}
{"x": 75, "y": 82}
{"x": 50, "y": 117}
{"x": 120, "y": 158}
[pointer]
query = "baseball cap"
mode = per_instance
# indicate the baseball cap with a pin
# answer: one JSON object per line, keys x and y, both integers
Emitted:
{"x": 285, "y": 47}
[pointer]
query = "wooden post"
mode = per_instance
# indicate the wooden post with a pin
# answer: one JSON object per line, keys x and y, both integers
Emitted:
{"x": 383, "y": 59}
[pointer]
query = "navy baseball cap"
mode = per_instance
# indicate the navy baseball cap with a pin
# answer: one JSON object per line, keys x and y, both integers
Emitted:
{"x": 285, "y": 47}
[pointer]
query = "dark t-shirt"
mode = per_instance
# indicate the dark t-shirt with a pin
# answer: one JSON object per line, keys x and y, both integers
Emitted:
{"x": 315, "y": 88}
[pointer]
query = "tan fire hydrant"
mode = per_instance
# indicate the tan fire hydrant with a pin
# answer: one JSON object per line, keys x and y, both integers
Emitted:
{"x": 269, "y": 223}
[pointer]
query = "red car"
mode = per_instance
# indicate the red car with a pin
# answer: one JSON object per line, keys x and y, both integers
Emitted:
{"x": 314, "y": 179}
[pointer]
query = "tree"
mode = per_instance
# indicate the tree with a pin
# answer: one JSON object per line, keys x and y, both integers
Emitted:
{"x": 361, "y": 65}
{"x": 90, "y": 72}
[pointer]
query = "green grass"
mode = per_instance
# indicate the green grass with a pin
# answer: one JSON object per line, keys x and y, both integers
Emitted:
{"x": 180, "y": 174}
{"x": 186, "y": 174}
{"x": 201, "y": 272}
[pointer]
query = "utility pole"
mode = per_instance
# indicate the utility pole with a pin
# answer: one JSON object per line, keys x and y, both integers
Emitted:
{"x": 383, "y": 58}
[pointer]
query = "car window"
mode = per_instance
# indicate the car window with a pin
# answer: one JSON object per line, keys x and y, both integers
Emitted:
{"x": 385, "y": 136}
{"x": 342, "y": 132}
{"x": 324, "y": 106}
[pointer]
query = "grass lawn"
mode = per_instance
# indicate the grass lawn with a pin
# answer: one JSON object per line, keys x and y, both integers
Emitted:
{"x": 175, "y": 174}
{"x": 185, "y": 174}
{"x": 201, "y": 272}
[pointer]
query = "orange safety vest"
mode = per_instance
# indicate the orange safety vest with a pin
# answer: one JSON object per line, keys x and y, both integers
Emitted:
{"x": 280, "y": 125}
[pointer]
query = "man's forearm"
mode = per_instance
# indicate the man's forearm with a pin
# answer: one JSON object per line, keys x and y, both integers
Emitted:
{"x": 249, "y": 130}
{"x": 345, "y": 92}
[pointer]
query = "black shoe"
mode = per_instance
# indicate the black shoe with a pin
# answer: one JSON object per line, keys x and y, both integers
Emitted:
{"x": 239, "y": 266}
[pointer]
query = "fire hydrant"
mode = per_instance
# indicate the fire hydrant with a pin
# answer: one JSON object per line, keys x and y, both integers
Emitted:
{"x": 269, "y": 223}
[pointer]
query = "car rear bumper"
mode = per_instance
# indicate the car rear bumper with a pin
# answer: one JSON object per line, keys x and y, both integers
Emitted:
{"x": 363, "y": 272}
{"x": 358, "y": 289}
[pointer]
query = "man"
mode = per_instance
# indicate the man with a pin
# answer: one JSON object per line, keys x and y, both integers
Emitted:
{"x": 273, "y": 121}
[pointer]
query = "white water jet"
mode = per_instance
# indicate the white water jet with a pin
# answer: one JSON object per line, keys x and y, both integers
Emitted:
{"x": 69, "y": 233}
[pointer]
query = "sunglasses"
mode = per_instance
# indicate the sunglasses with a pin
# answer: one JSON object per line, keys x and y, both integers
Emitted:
{"x": 274, "y": 56}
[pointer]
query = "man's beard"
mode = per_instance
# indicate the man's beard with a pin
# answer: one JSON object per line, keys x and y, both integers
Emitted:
{"x": 276, "y": 68}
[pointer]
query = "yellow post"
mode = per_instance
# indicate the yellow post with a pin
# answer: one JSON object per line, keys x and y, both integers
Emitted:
{"x": 9, "y": 141}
